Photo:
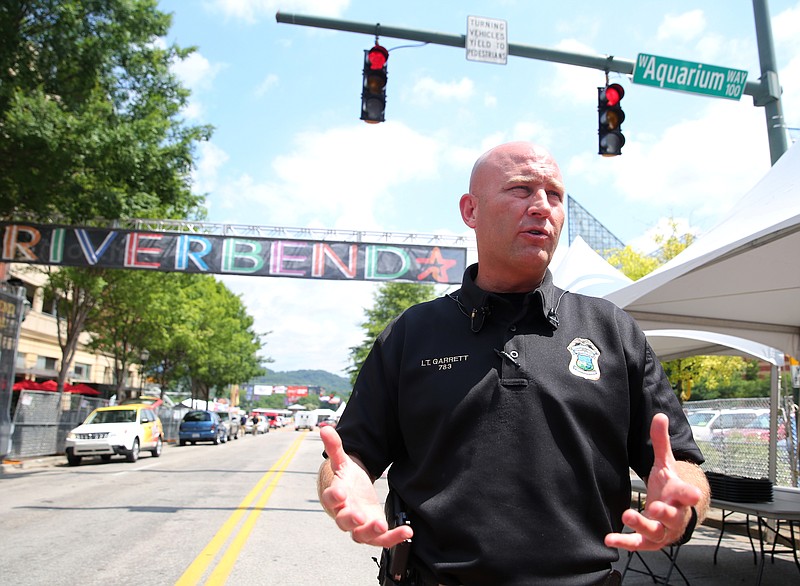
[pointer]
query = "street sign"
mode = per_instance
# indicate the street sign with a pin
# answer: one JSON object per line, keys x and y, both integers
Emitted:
{"x": 688, "y": 76}
{"x": 487, "y": 40}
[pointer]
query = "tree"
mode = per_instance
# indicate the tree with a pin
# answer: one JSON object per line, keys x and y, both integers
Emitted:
{"x": 123, "y": 322}
{"x": 91, "y": 127}
{"x": 390, "y": 300}
{"x": 77, "y": 293}
{"x": 225, "y": 348}
{"x": 90, "y": 123}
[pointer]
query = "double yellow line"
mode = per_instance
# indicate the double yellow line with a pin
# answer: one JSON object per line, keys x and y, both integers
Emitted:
{"x": 195, "y": 572}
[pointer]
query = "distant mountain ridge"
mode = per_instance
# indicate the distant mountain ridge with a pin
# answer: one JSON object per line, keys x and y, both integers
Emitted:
{"x": 313, "y": 378}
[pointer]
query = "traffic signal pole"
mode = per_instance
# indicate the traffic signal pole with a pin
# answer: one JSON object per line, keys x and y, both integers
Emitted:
{"x": 765, "y": 93}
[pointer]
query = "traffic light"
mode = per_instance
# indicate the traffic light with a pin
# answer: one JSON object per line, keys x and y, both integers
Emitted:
{"x": 610, "y": 117}
{"x": 373, "y": 92}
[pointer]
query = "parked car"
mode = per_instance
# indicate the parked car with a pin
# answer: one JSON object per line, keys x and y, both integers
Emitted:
{"x": 256, "y": 425}
{"x": 758, "y": 428}
{"x": 708, "y": 423}
{"x": 233, "y": 426}
{"x": 202, "y": 426}
{"x": 122, "y": 430}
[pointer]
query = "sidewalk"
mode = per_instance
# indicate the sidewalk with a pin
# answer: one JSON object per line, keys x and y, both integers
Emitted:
{"x": 736, "y": 563}
{"x": 11, "y": 465}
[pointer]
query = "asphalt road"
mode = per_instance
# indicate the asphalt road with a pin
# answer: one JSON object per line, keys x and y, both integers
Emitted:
{"x": 244, "y": 512}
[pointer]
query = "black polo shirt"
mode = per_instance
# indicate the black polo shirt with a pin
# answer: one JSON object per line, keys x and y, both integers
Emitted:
{"x": 510, "y": 429}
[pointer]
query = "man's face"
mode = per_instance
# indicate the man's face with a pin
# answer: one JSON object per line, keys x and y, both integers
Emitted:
{"x": 516, "y": 207}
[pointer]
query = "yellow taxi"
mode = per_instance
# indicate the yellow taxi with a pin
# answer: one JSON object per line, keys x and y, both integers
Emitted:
{"x": 123, "y": 430}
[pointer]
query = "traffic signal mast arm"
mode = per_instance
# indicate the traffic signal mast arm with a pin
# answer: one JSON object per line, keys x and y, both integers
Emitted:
{"x": 607, "y": 63}
{"x": 766, "y": 92}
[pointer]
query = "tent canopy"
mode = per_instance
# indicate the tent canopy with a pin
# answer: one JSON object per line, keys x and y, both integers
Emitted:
{"x": 673, "y": 344}
{"x": 582, "y": 270}
{"x": 739, "y": 278}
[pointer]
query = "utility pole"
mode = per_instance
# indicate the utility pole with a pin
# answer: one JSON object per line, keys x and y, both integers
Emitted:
{"x": 766, "y": 92}
{"x": 770, "y": 94}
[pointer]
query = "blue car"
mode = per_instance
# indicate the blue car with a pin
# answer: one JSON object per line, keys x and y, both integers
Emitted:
{"x": 202, "y": 426}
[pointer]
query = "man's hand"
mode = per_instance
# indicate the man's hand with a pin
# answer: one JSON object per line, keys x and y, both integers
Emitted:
{"x": 347, "y": 494}
{"x": 672, "y": 488}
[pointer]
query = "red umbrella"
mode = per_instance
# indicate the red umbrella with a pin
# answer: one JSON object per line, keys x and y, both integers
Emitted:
{"x": 84, "y": 389}
{"x": 25, "y": 385}
{"x": 50, "y": 385}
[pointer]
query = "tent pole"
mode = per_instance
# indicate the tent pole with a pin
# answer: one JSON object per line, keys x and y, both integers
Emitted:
{"x": 774, "y": 403}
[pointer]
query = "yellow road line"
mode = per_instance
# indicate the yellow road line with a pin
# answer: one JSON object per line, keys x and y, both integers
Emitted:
{"x": 194, "y": 573}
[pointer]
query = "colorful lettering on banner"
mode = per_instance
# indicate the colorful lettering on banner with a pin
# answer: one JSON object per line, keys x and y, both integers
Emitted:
{"x": 79, "y": 246}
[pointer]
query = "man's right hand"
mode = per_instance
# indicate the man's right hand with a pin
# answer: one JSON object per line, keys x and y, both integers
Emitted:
{"x": 347, "y": 494}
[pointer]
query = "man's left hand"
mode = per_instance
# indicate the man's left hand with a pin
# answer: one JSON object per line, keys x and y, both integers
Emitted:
{"x": 669, "y": 499}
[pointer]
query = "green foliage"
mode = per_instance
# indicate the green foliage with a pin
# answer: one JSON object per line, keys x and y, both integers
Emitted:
{"x": 225, "y": 346}
{"x": 636, "y": 265}
{"x": 90, "y": 123}
{"x": 77, "y": 292}
{"x": 191, "y": 326}
{"x": 391, "y": 299}
{"x": 632, "y": 263}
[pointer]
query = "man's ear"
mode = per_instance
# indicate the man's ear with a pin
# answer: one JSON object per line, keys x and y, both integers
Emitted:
{"x": 469, "y": 209}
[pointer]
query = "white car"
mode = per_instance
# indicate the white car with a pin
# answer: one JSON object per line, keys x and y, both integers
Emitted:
{"x": 122, "y": 430}
{"x": 256, "y": 425}
{"x": 706, "y": 423}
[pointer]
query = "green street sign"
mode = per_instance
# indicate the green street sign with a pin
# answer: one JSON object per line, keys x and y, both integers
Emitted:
{"x": 687, "y": 76}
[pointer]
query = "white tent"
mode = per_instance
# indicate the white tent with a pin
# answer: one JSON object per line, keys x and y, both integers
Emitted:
{"x": 582, "y": 270}
{"x": 673, "y": 344}
{"x": 738, "y": 279}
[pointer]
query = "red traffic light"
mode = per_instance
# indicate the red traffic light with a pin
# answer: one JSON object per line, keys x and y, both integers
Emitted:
{"x": 378, "y": 56}
{"x": 614, "y": 94}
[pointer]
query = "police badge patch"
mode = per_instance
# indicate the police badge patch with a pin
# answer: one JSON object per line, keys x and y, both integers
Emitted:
{"x": 585, "y": 361}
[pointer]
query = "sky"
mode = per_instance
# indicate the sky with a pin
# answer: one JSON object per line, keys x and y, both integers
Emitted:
{"x": 289, "y": 150}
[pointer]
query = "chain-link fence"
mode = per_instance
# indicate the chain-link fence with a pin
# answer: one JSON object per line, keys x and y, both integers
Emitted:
{"x": 42, "y": 420}
{"x": 734, "y": 437}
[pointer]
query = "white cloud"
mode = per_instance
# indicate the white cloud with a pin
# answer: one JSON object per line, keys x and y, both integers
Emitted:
{"x": 427, "y": 90}
{"x": 266, "y": 84}
{"x": 696, "y": 150}
{"x": 786, "y": 29}
{"x": 250, "y": 11}
{"x": 575, "y": 85}
{"x": 210, "y": 160}
{"x": 341, "y": 174}
{"x": 312, "y": 324}
{"x": 646, "y": 243}
{"x": 682, "y": 27}
{"x": 196, "y": 72}
{"x": 786, "y": 34}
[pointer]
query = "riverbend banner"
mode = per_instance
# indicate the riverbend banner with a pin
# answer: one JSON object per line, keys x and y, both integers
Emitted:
{"x": 77, "y": 246}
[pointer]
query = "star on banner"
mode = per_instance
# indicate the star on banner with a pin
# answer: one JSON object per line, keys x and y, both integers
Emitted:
{"x": 438, "y": 266}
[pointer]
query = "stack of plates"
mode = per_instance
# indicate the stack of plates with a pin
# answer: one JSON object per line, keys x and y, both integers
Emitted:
{"x": 739, "y": 489}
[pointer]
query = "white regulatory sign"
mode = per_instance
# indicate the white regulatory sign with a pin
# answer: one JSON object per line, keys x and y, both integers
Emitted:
{"x": 487, "y": 40}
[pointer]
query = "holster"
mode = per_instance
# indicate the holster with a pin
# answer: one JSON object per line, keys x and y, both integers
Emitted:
{"x": 393, "y": 567}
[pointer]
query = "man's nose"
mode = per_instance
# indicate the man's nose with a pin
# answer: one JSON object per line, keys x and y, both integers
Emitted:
{"x": 539, "y": 204}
